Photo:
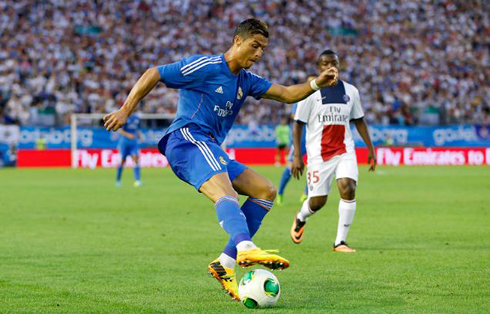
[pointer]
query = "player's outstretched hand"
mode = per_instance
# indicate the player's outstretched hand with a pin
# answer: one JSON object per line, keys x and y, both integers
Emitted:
{"x": 297, "y": 167}
{"x": 372, "y": 160}
{"x": 114, "y": 120}
{"x": 329, "y": 77}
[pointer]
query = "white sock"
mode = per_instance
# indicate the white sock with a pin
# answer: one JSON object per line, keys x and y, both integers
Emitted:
{"x": 227, "y": 261}
{"x": 347, "y": 210}
{"x": 305, "y": 211}
{"x": 245, "y": 245}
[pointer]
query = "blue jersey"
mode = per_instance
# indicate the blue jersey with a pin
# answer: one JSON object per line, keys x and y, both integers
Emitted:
{"x": 210, "y": 95}
{"x": 131, "y": 126}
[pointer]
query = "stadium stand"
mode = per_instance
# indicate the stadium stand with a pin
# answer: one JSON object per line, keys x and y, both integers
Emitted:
{"x": 416, "y": 62}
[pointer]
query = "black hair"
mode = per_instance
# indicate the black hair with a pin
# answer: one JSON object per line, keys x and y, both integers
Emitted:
{"x": 327, "y": 53}
{"x": 251, "y": 27}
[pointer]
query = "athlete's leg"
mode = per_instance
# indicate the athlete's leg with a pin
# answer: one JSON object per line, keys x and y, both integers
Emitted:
{"x": 285, "y": 177}
{"x": 309, "y": 207}
{"x": 347, "y": 208}
{"x": 220, "y": 191}
{"x": 347, "y": 188}
{"x": 261, "y": 193}
{"x": 121, "y": 166}
{"x": 278, "y": 156}
{"x": 136, "y": 170}
{"x": 304, "y": 195}
{"x": 347, "y": 175}
{"x": 320, "y": 178}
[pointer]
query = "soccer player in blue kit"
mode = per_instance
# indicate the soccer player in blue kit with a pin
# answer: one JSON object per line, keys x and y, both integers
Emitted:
{"x": 212, "y": 91}
{"x": 128, "y": 146}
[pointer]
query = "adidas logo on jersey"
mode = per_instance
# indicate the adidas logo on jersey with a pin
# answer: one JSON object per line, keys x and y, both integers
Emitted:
{"x": 219, "y": 90}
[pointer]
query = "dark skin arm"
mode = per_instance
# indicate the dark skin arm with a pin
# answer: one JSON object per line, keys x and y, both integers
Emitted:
{"x": 361, "y": 127}
{"x": 298, "y": 165}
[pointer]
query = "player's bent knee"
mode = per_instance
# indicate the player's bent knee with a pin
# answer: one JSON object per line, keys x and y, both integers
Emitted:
{"x": 266, "y": 190}
{"x": 271, "y": 192}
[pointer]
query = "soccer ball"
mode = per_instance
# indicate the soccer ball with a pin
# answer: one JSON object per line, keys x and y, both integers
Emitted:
{"x": 259, "y": 288}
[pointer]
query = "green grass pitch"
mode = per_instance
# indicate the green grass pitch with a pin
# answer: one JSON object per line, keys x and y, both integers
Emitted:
{"x": 71, "y": 242}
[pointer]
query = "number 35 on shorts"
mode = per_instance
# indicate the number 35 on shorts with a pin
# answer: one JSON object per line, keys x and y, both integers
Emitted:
{"x": 313, "y": 177}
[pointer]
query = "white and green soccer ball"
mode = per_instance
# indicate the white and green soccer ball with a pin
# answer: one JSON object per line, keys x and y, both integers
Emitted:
{"x": 258, "y": 289}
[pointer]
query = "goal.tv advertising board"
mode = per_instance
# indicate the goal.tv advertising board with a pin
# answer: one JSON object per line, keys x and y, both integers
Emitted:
{"x": 261, "y": 136}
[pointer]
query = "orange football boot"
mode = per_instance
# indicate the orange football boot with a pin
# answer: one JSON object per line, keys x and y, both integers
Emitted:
{"x": 297, "y": 230}
{"x": 343, "y": 247}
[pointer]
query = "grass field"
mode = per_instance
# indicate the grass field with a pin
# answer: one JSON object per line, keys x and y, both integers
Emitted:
{"x": 71, "y": 242}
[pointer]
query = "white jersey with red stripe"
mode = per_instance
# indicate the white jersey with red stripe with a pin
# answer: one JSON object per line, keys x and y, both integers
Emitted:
{"x": 327, "y": 113}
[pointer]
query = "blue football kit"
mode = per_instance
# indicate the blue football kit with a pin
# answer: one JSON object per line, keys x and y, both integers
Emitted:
{"x": 129, "y": 147}
{"x": 210, "y": 99}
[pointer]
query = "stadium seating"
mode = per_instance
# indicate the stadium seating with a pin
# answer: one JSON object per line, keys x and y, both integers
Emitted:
{"x": 415, "y": 62}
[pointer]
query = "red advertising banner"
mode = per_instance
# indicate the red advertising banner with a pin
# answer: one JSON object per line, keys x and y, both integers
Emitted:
{"x": 421, "y": 156}
{"x": 394, "y": 156}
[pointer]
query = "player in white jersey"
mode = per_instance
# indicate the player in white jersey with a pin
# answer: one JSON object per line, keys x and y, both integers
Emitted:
{"x": 330, "y": 150}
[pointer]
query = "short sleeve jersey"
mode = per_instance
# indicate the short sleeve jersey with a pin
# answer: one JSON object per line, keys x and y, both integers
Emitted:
{"x": 210, "y": 95}
{"x": 327, "y": 113}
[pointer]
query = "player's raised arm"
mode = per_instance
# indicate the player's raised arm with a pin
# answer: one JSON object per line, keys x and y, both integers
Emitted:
{"x": 114, "y": 120}
{"x": 295, "y": 93}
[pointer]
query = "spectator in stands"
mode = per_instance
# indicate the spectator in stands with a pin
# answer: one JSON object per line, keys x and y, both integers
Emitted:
{"x": 84, "y": 55}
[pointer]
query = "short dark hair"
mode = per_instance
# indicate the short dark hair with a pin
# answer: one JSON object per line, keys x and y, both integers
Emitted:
{"x": 251, "y": 27}
{"x": 327, "y": 52}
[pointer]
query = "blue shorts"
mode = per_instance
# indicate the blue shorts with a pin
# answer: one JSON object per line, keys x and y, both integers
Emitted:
{"x": 128, "y": 149}
{"x": 291, "y": 151}
{"x": 195, "y": 156}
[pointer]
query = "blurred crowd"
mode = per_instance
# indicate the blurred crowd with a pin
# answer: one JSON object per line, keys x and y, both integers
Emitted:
{"x": 414, "y": 61}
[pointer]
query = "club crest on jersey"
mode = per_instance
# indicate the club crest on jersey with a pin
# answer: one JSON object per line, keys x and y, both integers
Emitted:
{"x": 346, "y": 98}
{"x": 240, "y": 93}
{"x": 222, "y": 160}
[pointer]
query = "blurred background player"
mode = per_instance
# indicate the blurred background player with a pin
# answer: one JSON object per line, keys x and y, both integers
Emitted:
{"x": 282, "y": 132}
{"x": 286, "y": 174}
{"x": 330, "y": 150}
{"x": 128, "y": 146}
{"x": 213, "y": 88}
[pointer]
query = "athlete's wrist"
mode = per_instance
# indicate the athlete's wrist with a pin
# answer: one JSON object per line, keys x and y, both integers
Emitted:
{"x": 126, "y": 110}
{"x": 313, "y": 85}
